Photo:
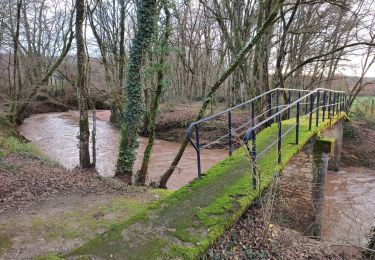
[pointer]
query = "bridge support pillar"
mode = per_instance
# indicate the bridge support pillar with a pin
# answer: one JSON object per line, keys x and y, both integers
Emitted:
{"x": 301, "y": 188}
{"x": 335, "y": 133}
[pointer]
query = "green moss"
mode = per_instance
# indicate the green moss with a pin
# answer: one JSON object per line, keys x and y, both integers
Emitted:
{"x": 161, "y": 192}
{"x": 5, "y": 243}
{"x": 48, "y": 257}
{"x": 199, "y": 213}
{"x": 90, "y": 220}
{"x": 324, "y": 145}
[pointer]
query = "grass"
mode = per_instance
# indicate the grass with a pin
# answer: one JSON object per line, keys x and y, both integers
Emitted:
{"x": 15, "y": 145}
{"x": 188, "y": 221}
{"x": 12, "y": 143}
{"x": 363, "y": 109}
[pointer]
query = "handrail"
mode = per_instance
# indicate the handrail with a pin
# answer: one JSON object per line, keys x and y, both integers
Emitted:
{"x": 274, "y": 113}
{"x": 240, "y": 105}
{"x": 341, "y": 105}
{"x": 286, "y": 108}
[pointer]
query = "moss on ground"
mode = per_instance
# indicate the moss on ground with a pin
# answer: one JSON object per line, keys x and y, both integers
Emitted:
{"x": 48, "y": 257}
{"x": 187, "y": 222}
{"x": 5, "y": 243}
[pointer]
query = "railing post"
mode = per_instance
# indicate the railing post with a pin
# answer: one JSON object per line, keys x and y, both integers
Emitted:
{"x": 253, "y": 158}
{"x": 317, "y": 108}
{"x": 324, "y": 105}
{"x": 277, "y": 100}
{"x": 279, "y": 139}
{"x": 270, "y": 107}
{"x": 334, "y": 104}
{"x": 329, "y": 103}
{"x": 289, "y": 99}
{"x": 252, "y": 113}
{"x": 311, "y": 109}
{"x": 347, "y": 105}
{"x": 306, "y": 104}
{"x": 341, "y": 101}
{"x": 230, "y": 132}
{"x": 297, "y": 119}
{"x": 198, "y": 150}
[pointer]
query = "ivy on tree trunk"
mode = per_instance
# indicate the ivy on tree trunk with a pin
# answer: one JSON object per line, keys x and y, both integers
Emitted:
{"x": 134, "y": 108}
{"x": 163, "y": 53}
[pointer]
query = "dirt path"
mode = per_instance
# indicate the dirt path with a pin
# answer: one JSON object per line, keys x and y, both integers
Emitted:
{"x": 67, "y": 221}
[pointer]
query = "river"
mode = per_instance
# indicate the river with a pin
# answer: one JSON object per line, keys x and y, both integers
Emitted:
{"x": 56, "y": 134}
{"x": 348, "y": 211}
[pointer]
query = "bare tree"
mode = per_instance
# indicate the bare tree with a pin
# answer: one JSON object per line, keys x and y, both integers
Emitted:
{"x": 82, "y": 88}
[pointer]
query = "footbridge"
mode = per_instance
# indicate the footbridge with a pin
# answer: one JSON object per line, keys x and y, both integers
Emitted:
{"x": 315, "y": 107}
{"x": 185, "y": 223}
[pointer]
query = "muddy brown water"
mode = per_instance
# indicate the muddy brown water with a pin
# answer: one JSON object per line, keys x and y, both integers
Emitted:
{"x": 349, "y": 206}
{"x": 56, "y": 134}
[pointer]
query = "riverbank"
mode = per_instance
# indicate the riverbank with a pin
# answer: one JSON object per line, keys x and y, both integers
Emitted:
{"x": 359, "y": 145}
{"x": 28, "y": 176}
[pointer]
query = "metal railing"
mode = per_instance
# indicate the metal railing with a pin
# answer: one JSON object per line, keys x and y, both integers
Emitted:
{"x": 328, "y": 100}
{"x": 304, "y": 102}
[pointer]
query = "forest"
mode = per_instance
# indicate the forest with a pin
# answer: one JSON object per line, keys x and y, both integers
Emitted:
{"x": 152, "y": 67}
{"x": 131, "y": 56}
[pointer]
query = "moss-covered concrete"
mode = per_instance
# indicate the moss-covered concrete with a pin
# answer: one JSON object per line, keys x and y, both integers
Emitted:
{"x": 187, "y": 222}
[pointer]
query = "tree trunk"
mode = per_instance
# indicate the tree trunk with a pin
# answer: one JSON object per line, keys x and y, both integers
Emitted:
{"x": 134, "y": 109}
{"x": 82, "y": 88}
{"x": 142, "y": 174}
{"x": 16, "y": 76}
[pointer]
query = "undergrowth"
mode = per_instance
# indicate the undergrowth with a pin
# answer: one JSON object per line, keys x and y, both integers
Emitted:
{"x": 363, "y": 110}
{"x": 349, "y": 130}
